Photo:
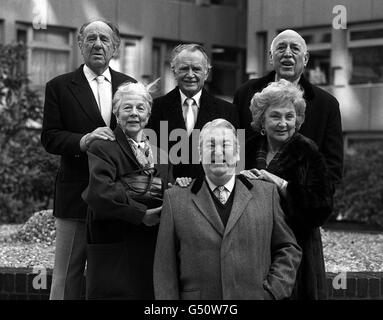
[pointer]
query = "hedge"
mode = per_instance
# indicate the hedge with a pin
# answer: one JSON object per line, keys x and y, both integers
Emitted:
{"x": 26, "y": 171}
{"x": 360, "y": 196}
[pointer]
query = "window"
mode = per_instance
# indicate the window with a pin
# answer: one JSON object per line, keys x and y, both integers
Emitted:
{"x": 262, "y": 54}
{"x": 366, "y": 54}
{"x": 228, "y": 70}
{"x": 161, "y": 64}
{"x": 128, "y": 59}
{"x": 318, "y": 69}
{"x": 1, "y": 31}
{"x": 49, "y": 52}
{"x": 367, "y": 64}
{"x": 231, "y": 3}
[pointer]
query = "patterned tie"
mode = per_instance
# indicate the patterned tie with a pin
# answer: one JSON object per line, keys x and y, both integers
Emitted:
{"x": 104, "y": 101}
{"x": 220, "y": 193}
{"x": 189, "y": 115}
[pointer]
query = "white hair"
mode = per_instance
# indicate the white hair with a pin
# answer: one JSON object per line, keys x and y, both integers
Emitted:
{"x": 134, "y": 88}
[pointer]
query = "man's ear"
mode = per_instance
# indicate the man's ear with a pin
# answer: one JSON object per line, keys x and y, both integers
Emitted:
{"x": 271, "y": 58}
{"x": 173, "y": 70}
{"x": 238, "y": 152}
{"x": 115, "y": 52}
{"x": 306, "y": 58}
{"x": 207, "y": 72}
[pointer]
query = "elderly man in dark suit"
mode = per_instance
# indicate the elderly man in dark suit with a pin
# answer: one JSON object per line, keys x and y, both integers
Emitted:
{"x": 189, "y": 106}
{"x": 77, "y": 111}
{"x": 289, "y": 57}
{"x": 224, "y": 237}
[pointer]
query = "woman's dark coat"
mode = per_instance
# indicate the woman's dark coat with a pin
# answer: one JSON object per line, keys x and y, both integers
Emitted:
{"x": 120, "y": 247}
{"x": 307, "y": 206}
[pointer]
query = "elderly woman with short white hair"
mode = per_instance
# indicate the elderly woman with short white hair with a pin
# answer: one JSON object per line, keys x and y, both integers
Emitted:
{"x": 122, "y": 231}
{"x": 281, "y": 155}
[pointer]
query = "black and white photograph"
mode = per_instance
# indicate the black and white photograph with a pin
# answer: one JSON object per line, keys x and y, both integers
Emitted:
{"x": 166, "y": 150}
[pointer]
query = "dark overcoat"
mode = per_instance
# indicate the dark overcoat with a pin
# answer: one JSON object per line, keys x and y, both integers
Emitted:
{"x": 120, "y": 247}
{"x": 322, "y": 123}
{"x": 168, "y": 108}
{"x": 307, "y": 206}
{"x": 254, "y": 257}
{"x": 71, "y": 111}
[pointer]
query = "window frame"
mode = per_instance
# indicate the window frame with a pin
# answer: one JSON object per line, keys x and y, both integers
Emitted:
{"x": 33, "y": 44}
{"x": 2, "y": 31}
{"x": 352, "y": 44}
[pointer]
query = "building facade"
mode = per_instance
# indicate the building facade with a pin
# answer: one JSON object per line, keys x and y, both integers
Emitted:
{"x": 149, "y": 29}
{"x": 345, "y": 42}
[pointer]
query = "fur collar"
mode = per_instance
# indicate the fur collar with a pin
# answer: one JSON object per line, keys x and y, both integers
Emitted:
{"x": 304, "y": 83}
{"x": 299, "y": 147}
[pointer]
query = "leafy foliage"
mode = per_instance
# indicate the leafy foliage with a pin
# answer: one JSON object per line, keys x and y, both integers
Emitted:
{"x": 360, "y": 197}
{"x": 26, "y": 171}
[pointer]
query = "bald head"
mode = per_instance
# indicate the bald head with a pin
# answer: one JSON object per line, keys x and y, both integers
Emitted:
{"x": 288, "y": 33}
{"x": 288, "y": 55}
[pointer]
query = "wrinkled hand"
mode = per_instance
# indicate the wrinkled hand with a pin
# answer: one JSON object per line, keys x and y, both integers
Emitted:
{"x": 183, "y": 181}
{"x": 268, "y": 176}
{"x": 263, "y": 175}
{"x": 102, "y": 133}
{"x": 249, "y": 174}
{"x": 152, "y": 217}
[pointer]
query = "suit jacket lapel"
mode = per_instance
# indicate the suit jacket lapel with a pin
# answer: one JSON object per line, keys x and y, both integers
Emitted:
{"x": 206, "y": 206}
{"x": 242, "y": 197}
{"x": 205, "y": 112}
{"x": 174, "y": 110}
{"x": 84, "y": 95}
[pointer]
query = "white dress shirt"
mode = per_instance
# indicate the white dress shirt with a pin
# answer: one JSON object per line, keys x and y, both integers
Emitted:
{"x": 91, "y": 77}
{"x": 197, "y": 100}
{"x": 229, "y": 186}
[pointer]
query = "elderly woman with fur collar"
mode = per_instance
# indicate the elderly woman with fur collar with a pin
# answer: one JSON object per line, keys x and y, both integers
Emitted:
{"x": 281, "y": 155}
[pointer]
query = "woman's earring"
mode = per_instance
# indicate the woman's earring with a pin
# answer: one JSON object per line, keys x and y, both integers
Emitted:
{"x": 263, "y": 131}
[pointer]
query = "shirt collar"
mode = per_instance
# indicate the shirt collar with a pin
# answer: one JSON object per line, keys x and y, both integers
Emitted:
{"x": 90, "y": 74}
{"x": 228, "y": 185}
{"x": 196, "y": 97}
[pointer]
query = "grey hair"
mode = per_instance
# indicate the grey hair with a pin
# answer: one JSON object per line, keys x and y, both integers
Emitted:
{"x": 188, "y": 47}
{"x": 276, "y": 93}
{"x": 116, "y": 38}
{"x": 218, "y": 123}
{"x": 137, "y": 88}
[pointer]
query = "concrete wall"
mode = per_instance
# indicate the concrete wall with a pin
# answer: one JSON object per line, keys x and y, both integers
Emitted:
{"x": 162, "y": 19}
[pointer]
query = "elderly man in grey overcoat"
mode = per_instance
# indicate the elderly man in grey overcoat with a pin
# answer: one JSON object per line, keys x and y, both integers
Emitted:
{"x": 224, "y": 237}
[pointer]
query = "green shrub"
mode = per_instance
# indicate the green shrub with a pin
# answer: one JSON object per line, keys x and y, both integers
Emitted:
{"x": 26, "y": 171}
{"x": 360, "y": 197}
